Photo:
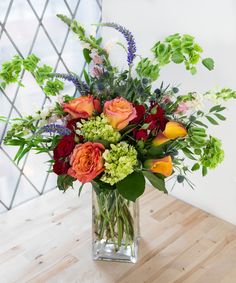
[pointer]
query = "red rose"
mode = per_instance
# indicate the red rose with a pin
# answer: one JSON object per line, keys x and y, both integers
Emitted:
{"x": 141, "y": 135}
{"x": 64, "y": 147}
{"x": 140, "y": 111}
{"x": 72, "y": 123}
{"x": 60, "y": 167}
{"x": 157, "y": 118}
{"x": 153, "y": 125}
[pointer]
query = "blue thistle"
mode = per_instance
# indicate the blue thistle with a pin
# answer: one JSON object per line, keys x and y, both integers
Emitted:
{"x": 81, "y": 86}
{"x": 129, "y": 38}
{"x": 55, "y": 129}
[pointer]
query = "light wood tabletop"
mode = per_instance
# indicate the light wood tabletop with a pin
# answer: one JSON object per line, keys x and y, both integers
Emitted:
{"x": 49, "y": 240}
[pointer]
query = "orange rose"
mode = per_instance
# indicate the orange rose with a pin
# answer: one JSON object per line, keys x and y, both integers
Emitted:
{"x": 119, "y": 112}
{"x": 86, "y": 161}
{"x": 82, "y": 107}
{"x": 162, "y": 166}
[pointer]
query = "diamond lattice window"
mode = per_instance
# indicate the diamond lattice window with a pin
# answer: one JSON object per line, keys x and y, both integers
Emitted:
{"x": 31, "y": 26}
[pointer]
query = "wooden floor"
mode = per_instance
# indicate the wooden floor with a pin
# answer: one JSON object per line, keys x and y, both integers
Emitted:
{"x": 49, "y": 240}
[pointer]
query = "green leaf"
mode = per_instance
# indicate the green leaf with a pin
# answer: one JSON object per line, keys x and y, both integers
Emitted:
{"x": 215, "y": 108}
{"x": 30, "y": 63}
{"x": 65, "y": 19}
{"x": 86, "y": 77}
{"x": 197, "y": 151}
{"x": 87, "y": 57}
{"x": 204, "y": 171}
{"x": 19, "y": 152}
{"x": 197, "y": 47}
{"x": 195, "y": 167}
{"x": 193, "y": 70}
{"x": 146, "y": 69}
{"x": 80, "y": 189}
{"x": 100, "y": 186}
{"x": 127, "y": 130}
{"x": 132, "y": 186}
{"x": 64, "y": 182}
{"x": 157, "y": 182}
{"x": 211, "y": 120}
{"x": 156, "y": 150}
{"x": 3, "y": 85}
{"x": 201, "y": 124}
{"x": 177, "y": 58}
{"x": 53, "y": 87}
{"x": 99, "y": 40}
{"x": 188, "y": 153}
{"x": 221, "y": 109}
{"x": 208, "y": 63}
{"x": 220, "y": 117}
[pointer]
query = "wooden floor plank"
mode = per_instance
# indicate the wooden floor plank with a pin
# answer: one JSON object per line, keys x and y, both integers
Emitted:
{"x": 49, "y": 240}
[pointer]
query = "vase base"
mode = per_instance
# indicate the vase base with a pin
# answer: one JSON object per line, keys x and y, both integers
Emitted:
{"x": 104, "y": 251}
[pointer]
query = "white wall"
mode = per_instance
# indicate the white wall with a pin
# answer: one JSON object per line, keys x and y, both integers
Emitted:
{"x": 213, "y": 23}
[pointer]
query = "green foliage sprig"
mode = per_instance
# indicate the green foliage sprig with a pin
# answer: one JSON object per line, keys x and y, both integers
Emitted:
{"x": 11, "y": 70}
{"x": 222, "y": 94}
{"x": 79, "y": 30}
{"x": 177, "y": 49}
{"x": 23, "y": 133}
{"x": 180, "y": 49}
{"x": 147, "y": 69}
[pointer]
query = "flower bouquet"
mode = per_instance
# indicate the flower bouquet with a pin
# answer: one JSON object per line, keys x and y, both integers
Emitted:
{"x": 118, "y": 131}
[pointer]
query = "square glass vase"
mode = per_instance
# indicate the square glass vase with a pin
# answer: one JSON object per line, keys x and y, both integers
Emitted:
{"x": 115, "y": 227}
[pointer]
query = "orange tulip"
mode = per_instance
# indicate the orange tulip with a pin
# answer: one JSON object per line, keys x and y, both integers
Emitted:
{"x": 160, "y": 139}
{"x": 173, "y": 130}
{"x": 162, "y": 166}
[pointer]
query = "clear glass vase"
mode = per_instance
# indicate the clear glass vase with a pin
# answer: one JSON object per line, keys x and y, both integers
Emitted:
{"x": 115, "y": 227}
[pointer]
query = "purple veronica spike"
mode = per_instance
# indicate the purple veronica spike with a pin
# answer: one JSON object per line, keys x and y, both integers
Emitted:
{"x": 130, "y": 40}
{"x": 55, "y": 129}
{"x": 82, "y": 87}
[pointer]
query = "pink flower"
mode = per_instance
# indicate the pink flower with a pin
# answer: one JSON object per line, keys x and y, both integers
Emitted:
{"x": 96, "y": 71}
{"x": 97, "y": 59}
{"x": 182, "y": 108}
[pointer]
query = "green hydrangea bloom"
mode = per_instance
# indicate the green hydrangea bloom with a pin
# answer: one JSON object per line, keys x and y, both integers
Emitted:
{"x": 213, "y": 153}
{"x": 119, "y": 162}
{"x": 98, "y": 128}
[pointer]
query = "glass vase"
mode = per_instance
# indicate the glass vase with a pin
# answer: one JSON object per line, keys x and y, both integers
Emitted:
{"x": 115, "y": 227}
